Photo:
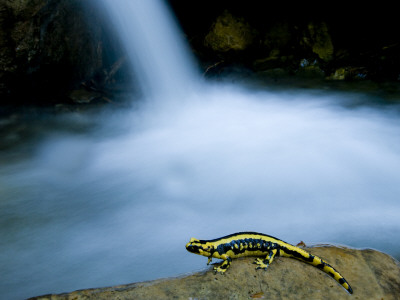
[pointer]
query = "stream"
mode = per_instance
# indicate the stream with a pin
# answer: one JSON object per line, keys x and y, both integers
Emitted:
{"x": 91, "y": 199}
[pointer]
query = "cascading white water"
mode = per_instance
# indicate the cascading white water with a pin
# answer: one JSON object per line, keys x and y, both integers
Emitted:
{"x": 119, "y": 204}
{"x": 159, "y": 57}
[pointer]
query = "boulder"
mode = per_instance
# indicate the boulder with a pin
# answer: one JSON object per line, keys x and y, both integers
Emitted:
{"x": 229, "y": 33}
{"x": 317, "y": 37}
{"x": 372, "y": 275}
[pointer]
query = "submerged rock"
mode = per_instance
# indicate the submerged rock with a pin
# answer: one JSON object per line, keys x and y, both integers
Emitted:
{"x": 372, "y": 275}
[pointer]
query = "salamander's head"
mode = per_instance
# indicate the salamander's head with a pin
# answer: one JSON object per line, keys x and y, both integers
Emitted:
{"x": 200, "y": 247}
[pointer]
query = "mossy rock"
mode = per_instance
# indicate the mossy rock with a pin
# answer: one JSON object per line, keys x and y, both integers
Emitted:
{"x": 229, "y": 33}
{"x": 319, "y": 40}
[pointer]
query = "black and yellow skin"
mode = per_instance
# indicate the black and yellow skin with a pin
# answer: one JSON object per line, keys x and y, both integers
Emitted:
{"x": 259, "y": 245}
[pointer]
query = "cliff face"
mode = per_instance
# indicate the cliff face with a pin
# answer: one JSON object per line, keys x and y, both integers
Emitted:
{"x": 335, "y": 42}
{"x": 372, "y": 275}
{"x": 48, "y": 47}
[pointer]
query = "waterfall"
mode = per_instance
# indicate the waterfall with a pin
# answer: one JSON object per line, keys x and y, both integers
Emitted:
{"x": 154, "y": 46}
{"x": 116, "y": 203}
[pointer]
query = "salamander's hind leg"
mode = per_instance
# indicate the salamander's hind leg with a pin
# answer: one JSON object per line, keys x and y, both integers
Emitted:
{"x": 224, "y": 266}
{"x": 264, "y": 263}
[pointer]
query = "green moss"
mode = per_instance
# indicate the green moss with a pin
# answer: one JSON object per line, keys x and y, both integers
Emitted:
{"x": 321, "y": 42}
{"x": 229, "y": 33}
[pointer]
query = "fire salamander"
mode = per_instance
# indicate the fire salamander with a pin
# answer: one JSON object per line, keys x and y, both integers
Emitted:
{"x": 259, "y": 245}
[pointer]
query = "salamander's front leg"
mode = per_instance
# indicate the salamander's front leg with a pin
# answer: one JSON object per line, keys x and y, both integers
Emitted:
{"x": 225, "y": 264}
{"x": 209, "y": 260}
{"x": 264, "y": 263}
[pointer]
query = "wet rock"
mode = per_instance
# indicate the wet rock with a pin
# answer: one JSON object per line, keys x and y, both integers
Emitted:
{"x": 274, "y": 60}
{"x": 278, "y": 36}
{"x": 310, "y": 68}
{"x": 372, "y": 275}
{"x": 83, "y": 95}
{"x": 339, "y": 74}
{"x": 349, "y": 73}
{"x": 49, "y": 46}
{"x": 319, "y": 40}
{"x": 229, "y": 33}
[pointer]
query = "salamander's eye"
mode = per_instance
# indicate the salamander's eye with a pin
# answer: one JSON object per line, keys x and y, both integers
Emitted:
{"x": 208, "y": 248}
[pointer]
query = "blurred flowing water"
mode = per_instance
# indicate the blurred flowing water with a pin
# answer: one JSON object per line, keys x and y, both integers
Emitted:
{"x": 114, "y": 199}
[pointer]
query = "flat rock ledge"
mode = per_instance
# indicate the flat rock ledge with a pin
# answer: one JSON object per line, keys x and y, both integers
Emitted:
{"x": 372, "y": 275}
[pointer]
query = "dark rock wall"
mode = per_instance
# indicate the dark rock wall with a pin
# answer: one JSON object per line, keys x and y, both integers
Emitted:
{"x": 331, "y": 40}
{"x": 50, "y": 47}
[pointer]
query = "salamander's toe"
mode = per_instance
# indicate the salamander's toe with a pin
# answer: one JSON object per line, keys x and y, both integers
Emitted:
{"x": 219, "y": 270}
{"x": 261, "y": 264}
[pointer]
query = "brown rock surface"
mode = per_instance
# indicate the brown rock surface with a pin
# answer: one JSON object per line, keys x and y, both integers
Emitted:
{"x": 372, "y": 275}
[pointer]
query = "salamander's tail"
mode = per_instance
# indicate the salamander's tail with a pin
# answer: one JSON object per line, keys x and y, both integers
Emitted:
{"x": 300, "y": 254}
{"x": 331, "y": 271}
